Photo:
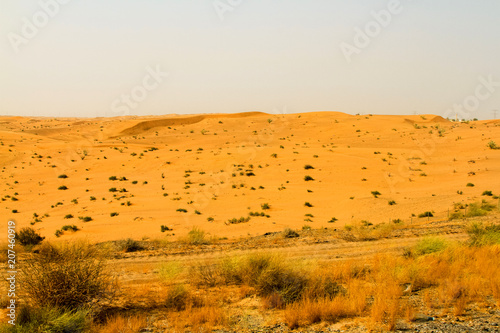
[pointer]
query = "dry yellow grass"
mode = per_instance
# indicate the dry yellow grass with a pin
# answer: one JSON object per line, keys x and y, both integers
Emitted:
{"x": 123, "y": 324}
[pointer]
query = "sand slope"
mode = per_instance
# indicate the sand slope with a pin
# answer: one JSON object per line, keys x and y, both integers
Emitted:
{"x": 226, "y": 166}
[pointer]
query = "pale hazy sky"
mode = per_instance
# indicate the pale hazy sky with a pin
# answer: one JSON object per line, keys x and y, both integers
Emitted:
{"x": 94, "y": 57}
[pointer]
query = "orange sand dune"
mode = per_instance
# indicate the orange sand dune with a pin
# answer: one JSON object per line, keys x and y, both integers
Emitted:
{"x": 220, "y": 167}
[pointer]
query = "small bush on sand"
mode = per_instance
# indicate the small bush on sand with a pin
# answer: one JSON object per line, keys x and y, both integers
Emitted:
{"x": 290, "y": 233}
{"x": 129, "y": 245}
{"x": 28, "y": 237}
{"x": 197, "y": 236}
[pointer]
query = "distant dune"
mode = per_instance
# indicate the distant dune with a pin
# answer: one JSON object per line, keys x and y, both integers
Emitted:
{"x": 213, "y": 171}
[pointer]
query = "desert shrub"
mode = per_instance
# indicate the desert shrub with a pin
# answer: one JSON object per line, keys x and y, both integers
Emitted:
{"x": 28, "y": 236}
{"x": 168, "y": 271}
{"x": 376, "y": 193}
{"x": 69, "y": 227}
{"x": 197, "y": 236}
{"x": 85, "y": 218}
{"x": 479, "y": 208}
{"x": 308, "y": 178}
{"x": 493, "y": 145}
{"x": 63, "y": 187}
{"x": 480, "y": 234}
{"x": 469, "y": 185}
{"x": 130, "y": 245}
{"x": 308, "y": 166}
{"x": 488, "y": 193}
{"x": 308, "y": 204}
{"x": 429, "y": 245}
{"x": 290, "y": 233}
{"x": 70, "y": 275}
{"x": 62, "y": 176}
{"x": 426, "y": 214}
{"x": 177, "y": 297}
{"x": 282, "y": 279}
{"x": 164, "y": 228}
{"x": 113, "y": 214}
{"x": 456, "y": 215}
{"x": 47, "y": 319}
{"x": 68, "y": 216}
{"x": 265, "y": 206}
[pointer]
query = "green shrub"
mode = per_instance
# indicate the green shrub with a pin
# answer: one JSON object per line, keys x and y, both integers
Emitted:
{"x": 479, "y": 208}
{"x": 69, "y": 227}
{"x": 426, "y": 214}
{"x": 28, "y": 237}
{"x": 480, "y": 234}
{"x": 197, "y": 236}
{"x": 493, "y": 145}
{"x": 85, "y": 218}
{"x": 265, "y": 206}
{"x": 488, "y": 193}
{"x": 47, "y": 319}
{"x": 429, "y": 245}
{"x": 469, "y": 185}
{"x": 68, "y": 216}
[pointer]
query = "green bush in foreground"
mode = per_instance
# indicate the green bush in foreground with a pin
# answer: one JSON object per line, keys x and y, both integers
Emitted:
{"x": 481, "y": 234}
{"x": 42, "y": 320}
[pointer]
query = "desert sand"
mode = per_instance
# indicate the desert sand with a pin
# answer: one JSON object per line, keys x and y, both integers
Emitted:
{"x": 222, "y": 166}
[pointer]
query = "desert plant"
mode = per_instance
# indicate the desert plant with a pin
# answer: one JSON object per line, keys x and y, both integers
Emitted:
{"x": 480, "y": 234}
{"x": 493, "y": 145}
{"x": 426, "y": 214}
{"x": 487, "y": 193}
{"x": 265, "y": 206}
{"x": 308, "y": 204}
{"x": 290, "y": 233}
{"x": 48, "y": 319}
{"x": 376, "y": 193}
{"x": 68, "y": 216}
{"x": 129, "y": 245}
{"x": 70, "y": 275}
{"x": 85, "y": 218}
{"x": 308, "y": 178}
{"x": 28, "y": 236}
{"x": 197, "y": 236}
{"x": 63, "y": 187}
{"x": 308, "y": 166}
{"x": 113, "y": 214}
{"x": 62, "y": 176}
